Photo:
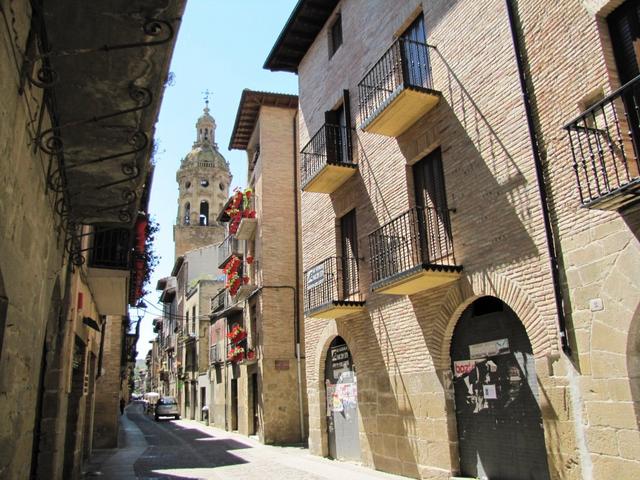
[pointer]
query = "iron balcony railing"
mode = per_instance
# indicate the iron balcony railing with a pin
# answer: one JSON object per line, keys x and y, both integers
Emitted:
{"x": 215, "y": 355}
{"x": 419, "y": 238}
{"x": 111, "y": 248}
{"x": 605, "y": 143}
{"x": 404, "y": 65}
{"x": 218, "y": 302}
{"x": 335, "y": 279}
{"x": 229, "y": 246}
{"x": 331, "y": 145}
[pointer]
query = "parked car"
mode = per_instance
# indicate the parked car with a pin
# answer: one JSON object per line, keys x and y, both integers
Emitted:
{"x": 167, "y": 407}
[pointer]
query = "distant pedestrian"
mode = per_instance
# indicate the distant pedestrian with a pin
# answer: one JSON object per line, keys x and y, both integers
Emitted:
{"x": 122, "y": 403}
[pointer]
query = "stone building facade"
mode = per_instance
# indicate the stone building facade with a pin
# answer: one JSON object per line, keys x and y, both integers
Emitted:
{"x": 470, "y": 309}
{"x": 72, "y": 189}
{"x": 256, "y": 332}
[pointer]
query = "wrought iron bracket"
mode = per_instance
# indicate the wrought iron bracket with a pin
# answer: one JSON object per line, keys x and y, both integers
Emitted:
{"x": 47, "y": 77}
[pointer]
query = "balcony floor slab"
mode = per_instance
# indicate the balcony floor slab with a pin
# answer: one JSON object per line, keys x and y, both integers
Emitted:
{"x": 418, "y": 280}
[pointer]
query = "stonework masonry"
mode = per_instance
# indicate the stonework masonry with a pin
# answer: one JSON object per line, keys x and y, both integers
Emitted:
{"x": 52, "y": 314}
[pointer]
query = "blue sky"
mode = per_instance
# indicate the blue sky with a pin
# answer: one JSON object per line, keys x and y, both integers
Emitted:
{"x": 221, "y": 47}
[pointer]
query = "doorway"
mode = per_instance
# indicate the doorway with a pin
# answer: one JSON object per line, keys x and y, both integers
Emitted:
{"x": 500, "y": 430}
{"x": 255, "y": 427}
{"x": 234, "y": 404}
{"x": 341, "y": 402}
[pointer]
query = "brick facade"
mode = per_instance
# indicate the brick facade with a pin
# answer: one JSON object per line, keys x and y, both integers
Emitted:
{"x": 400, "y": 344}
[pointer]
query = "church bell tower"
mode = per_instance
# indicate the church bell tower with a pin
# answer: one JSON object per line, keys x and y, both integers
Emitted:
{"x": 203, "y": 185}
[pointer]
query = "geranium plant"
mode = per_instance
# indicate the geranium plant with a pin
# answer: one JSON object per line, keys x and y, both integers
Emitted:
{"x": 237, "y": 334}
{"x": 236, "y": 354}
{"x": 233, "y": 273}
{"x": 239, "y": 208}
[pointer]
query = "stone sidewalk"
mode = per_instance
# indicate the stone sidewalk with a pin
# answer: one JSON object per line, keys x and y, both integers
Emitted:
{"x": 141, "y": 451}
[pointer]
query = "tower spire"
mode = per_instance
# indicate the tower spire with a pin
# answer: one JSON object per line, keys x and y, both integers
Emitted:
{"x": 206, "y": 125}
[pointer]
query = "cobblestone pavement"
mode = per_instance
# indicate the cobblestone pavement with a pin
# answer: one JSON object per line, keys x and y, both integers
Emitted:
{"x": 186, "y": 449}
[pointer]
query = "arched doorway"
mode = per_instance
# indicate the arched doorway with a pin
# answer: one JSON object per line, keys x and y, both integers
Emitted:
{"x": 500, "y": 430}
{"x": 341, "y": 402}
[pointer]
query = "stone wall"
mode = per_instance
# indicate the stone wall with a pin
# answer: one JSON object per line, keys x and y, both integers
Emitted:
{"x": 31, "y": 262}
{"x": 599, "y": 250}
{"x": 107, "y": 404}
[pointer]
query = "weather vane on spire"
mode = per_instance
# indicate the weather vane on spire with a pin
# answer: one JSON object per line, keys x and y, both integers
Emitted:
{"x": 206, "y": 94}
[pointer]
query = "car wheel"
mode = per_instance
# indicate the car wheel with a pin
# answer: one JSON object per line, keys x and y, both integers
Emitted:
{"x": 157, "y": 418}
{"x": 177, "y": 417}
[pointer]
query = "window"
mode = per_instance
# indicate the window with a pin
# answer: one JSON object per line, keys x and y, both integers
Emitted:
{"x": 187, "y": 213}
{"x": 335, "y": 35}
{"x": 204, "y": 183}
{"x": 349, "y": 251}
{"x": 204, "y": 213}
{"x": 187, "y": 185}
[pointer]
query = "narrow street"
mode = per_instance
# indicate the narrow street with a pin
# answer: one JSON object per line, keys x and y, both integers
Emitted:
{"x": 187, "y": 449}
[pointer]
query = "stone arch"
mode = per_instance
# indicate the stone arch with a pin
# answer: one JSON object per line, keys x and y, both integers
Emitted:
{"x": 204, "y": 213}
{"x": 543, "y": 336}
{"x": 318, "y": 441}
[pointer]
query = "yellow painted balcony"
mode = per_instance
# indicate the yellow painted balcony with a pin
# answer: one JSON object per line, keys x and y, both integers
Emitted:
{"x": 413, "y": 253}
{"x": 332, "y": 288}
{"x": 398, "y": 89}
{"x": 327, "y": 160}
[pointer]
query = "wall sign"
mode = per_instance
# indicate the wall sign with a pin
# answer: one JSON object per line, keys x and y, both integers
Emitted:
{"x": 315, "y": 276}
{"x": 489, "y": 349}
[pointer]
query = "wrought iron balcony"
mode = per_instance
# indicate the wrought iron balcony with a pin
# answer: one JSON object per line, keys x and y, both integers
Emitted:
{"x": 398, "y": 89}
{"x": 605, "y": 143}
{"x": 327, "y": 160}
{"x": 111, "y": 248}
{"x": 332, "y": 288}
{"x": 108, "y": 271}
{"x": 413, "y": 252}
{"x": 230, "y": 246}
{"x": 218, "y": 302}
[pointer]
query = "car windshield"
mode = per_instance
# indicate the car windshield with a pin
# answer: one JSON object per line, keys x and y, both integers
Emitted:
{"x": 167, "y": 401}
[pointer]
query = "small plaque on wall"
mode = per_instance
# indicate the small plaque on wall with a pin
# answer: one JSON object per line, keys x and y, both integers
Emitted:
{"x": 282, "y": 364}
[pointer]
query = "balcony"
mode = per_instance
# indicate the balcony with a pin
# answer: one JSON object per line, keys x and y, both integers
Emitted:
{"x": 332, "y": 288}
{"x": 327, "y": 160}
{"x": 246, "y": 229}
{"x": 413, "y": 253}
{"x": 108, "y": 269}
{"x": 605, "y": 144}
{"x": 229, "y": 247}
{"x": 222, "y": 305}
{"x": 398, "y": 89}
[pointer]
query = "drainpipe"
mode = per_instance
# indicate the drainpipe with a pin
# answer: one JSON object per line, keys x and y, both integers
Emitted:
{"x": 297, "y": 242}
{"x": 533, "y": 138}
